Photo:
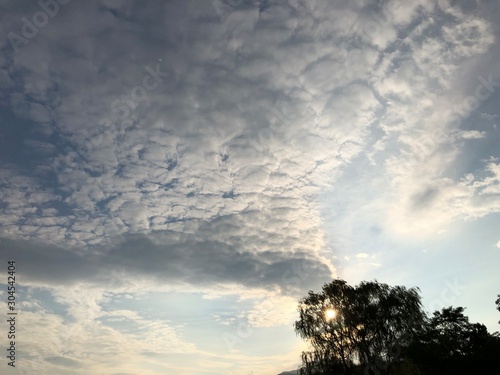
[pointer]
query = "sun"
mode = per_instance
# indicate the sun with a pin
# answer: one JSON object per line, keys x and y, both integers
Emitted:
{"x": 330, "y": 314}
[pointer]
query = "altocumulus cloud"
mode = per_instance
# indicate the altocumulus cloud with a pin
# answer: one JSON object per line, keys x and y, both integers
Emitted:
{"x": 183, "y": 159}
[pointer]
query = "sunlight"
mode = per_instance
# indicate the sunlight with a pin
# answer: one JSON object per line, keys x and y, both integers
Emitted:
{"x": 330, "y": 314}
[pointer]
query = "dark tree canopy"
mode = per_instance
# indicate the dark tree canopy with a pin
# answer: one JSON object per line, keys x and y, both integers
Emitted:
{"x": 453, "y": 345}
{"x": 374, "y": 328}
{"x": 371, "y": 322}
{"x": 498, "y": 305}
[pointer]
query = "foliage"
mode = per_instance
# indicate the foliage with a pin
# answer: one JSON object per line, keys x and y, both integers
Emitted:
{"x": 372, "y": 322}
{"x": 498, "y": 305}
{"x": 453, "y": 345}
{"x": 379, "y": 329}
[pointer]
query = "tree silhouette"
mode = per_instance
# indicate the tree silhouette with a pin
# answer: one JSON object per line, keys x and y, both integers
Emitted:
{"x": 498, "y": 304}
{"x": 453, "y": 345}
{"x": 369, "y": 325}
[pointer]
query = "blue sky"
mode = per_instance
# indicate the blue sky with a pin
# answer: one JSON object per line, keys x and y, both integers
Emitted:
{"x": 174, "y": 176}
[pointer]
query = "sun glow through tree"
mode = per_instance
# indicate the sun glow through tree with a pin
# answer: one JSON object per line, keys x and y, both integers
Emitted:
{"x": 330, "y": 314}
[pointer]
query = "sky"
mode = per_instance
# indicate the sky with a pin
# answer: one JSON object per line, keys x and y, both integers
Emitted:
{"x": 176, "y": 175}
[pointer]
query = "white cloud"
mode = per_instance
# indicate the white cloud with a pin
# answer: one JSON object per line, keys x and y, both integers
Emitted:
{"x": 472, "y": 134}
{"x": 273, "y": 310}
{"x": 88, "y": 341}
{"x": 147, "y": 177}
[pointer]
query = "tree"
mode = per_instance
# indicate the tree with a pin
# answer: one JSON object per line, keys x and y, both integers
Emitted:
{"x": 498, "y": 304}
{"x": 364, "y": 326}
{"x": 451, "y": 344}
{"x": 452, "y": 336}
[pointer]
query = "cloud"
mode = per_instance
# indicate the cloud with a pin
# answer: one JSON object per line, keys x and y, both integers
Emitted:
{"x": 212, "y": 148}
{"x": 172, "y": 258}
{"x": 273, "y": 310}
{"x": 88, "y": 340}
